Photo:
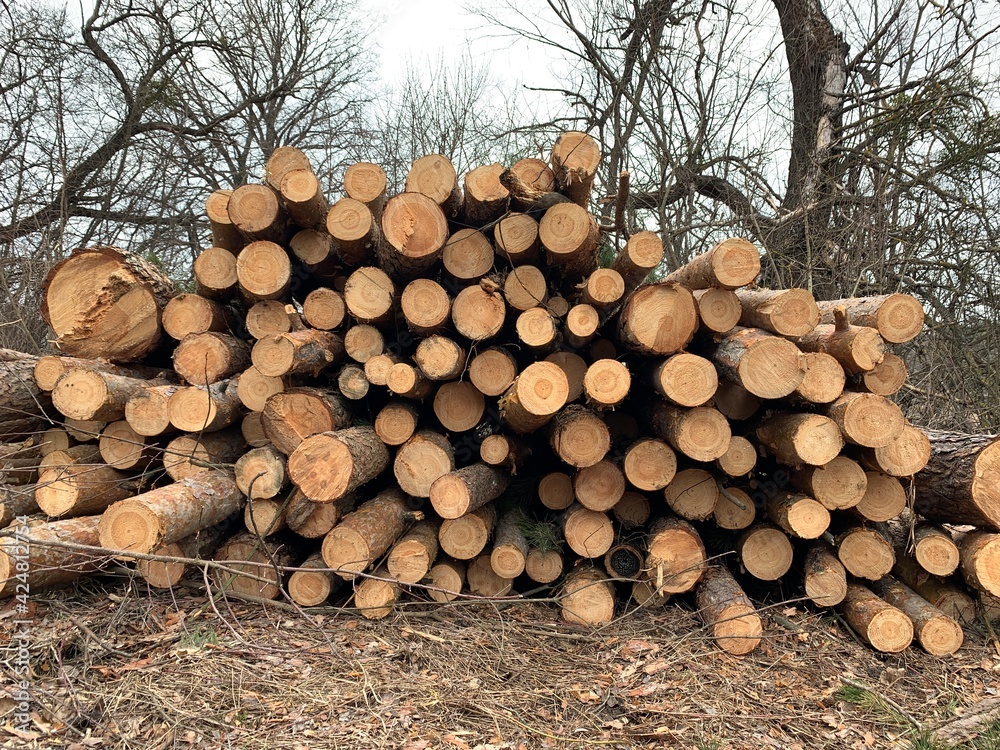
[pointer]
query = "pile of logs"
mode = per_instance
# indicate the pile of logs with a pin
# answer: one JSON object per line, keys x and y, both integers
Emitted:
{"x": 447, "y": 393}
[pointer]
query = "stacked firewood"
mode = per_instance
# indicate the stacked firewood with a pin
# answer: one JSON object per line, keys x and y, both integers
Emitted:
{"x": 453, "y": 392}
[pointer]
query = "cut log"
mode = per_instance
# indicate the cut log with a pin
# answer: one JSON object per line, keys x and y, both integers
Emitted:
{"x": 307, "y": 352}
{"x": 950, "y": 598}
{"x": 865, "y": 552}
{"x": 49, "y": 565}
{"x": 599, "y": 487}
{"x": 935, "y": 550}
{"x": 632, "y": 511}
{"x": 104, "y": 302}
{"x": 303, "y": 198}
{"x": 446, "y": 580}
{"x": 205, "y": 409}
{"x": 786, "y": 312}
{"x": 396, "y": 422}
{"x": 525, "y": 180}
{"x": 606, "y": 383}
{"x": 293, "y": 415}
{"x": 734, "y": 510}
{"x": 504, "y": 451}
{"x": 215, "y": 273}
{"x": 866, "y": 419}
{"x": 435, "y": 177}
{"x": 735, "y": 401}
{"x": 887, "y": 377}
{"x": 124, "y": 449}
{"x": 458, "y": 406}
{"x": 361, "y": 343}
{"x": 254, "y": 388}
{"x": 765, "y": 552}
{"x": 936, "y": 633}
{"x": 765, "y": 365}
{"x": 581, "y": 326}
{"x": 884, "y": 498}
{"x": 961, "y": 482}
{"x": 312, "y": 584}
{"x": 457, "y": 493}
{"x": 649, "y": 464}
{"x": 375, "y": 596}
{"x": 525, "y": 287}
{"x": 206, "y": 358}
{"x": 658, "y": 319}
{"x": 589, "y": 533}
{"x": 162, "y": 574}
{"x": 168, "y": 514}
{"x": 484, "y": 582}
{"x": 739, "y": 459}
{"x": 693, "y": 494}
{"x": 264, "y": 518}
{"x": 352, "y": 383}
{"x": 54, "y": 439}
{"x": 407, "y": 381}
{"x": 192, "y": 313}
{"x": 414, "y": 553}
{"x": 574, "y": 159}
{"x": 187, "y": 455}
{"x": 250, "y": 566}
{"x": 881, "y": 625}
{"x": 686, "y": 379}
{"x": 569, "y": 235}
{"x": 324, "y": 309}
{"x": 587, "y": 597}
{"x": 314, "y": 520}
{"x": 440, "y": 358}
{"x": 537, "y": 330}
{"x": 824, "y": 379}
{"x": 253, "y": 430}
{"x": 798, "y": 515}
{"x": 315, "y": 249}
{"x": 701, "y": 434}
{"x": 255, "y": 210}
{"x": 268, "y": 316}
{"x": 676, "y": 557}
{"x": 579, "y": 437}
{"x": 492, "y": 371}
{"x": 730, "y": 264}
{"x": 825, "y": 577}
{"x": 478, "y": 312}
{"x": 378, "y": 367}
{"x": 367, "y": 533}
{"x": 574, "y": 367}
{"x": 366, "y": 182}
{"x": 602, "y": 289}
{"x": 555, "y": 490}
{"x": 467, "y": 256}
{"x": 543, "y": 566}
{"x": 81, "y": 490}
{"x": 510, "y": 549}
{"x": 415, "y": 230}
{"x": 897, "y": 317}
{"x": 426, "y": 306}
{"x": 281, "y": 162}
{"x": 465, "y": 537}
{"x": 328, "y": 466}
{"x": 980, "y": 560}
{"x": 642, "y": 253}
{"x": 84, "y": 430}
{"x": 354, "y": 232}
{"x": 85, "y": 453}
{"x": 839, "y": 484}
{"x": 421, "y": 460}
{"x": 796, "y": 439}
{"x": 856, "y": 348}
{"x": 719, "y": 310}
{"x": 724, "y": 607}
{"x": 370, "y": 296}
{"x": 225, "y": 235}
{"x": 516, "y": 238}
{"x": 264, "y": 271}
{"x": 48, "y": 369}
{"x": 537, "y": 393}
{"x": 99, "y": 396}
{"x": 260, "y": 473}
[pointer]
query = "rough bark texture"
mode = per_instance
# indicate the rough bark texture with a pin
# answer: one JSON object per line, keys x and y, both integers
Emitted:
{"x": 961, "y": 482}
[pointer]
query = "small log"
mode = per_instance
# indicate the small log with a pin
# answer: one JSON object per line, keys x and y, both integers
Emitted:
{"x": 378, "y": 367}
{"x": 254, "y": 388}
{"x": 98, "y": 396}
{"x": 225, "y": 235}
{"x": 187, "y": 455}
{"x": 796, "y": 439}
{"x": 260, "y": 473}
{"x": 465, "y": 537}
{"x": 467, "y": 256}
{"x": 54, "y": 439}
{"x": 730, "y": 264}
{"x": 84, "y": 430}
{"x": 307, "y": 352}
{"x": 934, "y": 550}
{"x": 825, "y": 576}
{"x": 658, "y": 319}
{"x": 492, "y": 371}
{"x": 525, "y": 288}
{"x": 719, "y": 310}
{"x": 370, "y": 296}
{"x": 303, "y": 198}
{"x": 693, "y": 494}
{"x": 884, "y": 498}
{"x": 366, "y": 182}
{"x": 936, "y": 633}
{"x": 49, "y": 565}
{"x": 282, "y": 161}
{"x": 421, "y": 460}
{"x": 599, "y": 487}
{"x": 734, "y": 510}
{"x": 555, "y": 490}
{"x": 798, "y": 515}
{"x": 255, "y": 210}
{"x": 881, "y": 625}
{"x": 415, "y": 230}
{"x": 950, "y": 598}
{"x": 980, "y": 560}
{"x": 504, "y": 451}
{"x": 587, "y": 598}
{"x": 426, "y": 306}
{"x": 537, "y": 330}
{"x": 725, "y": 608}
{"x": 823, "y": 381}
{"x": 579, "y": 436}
{"x": 886, "y": 378}
{"x": 354, "y": 232}
{"x": 838, "y": 485}
{"x": 446, "y": 580}
{"x": 324, "y": 309}
{"x": 735, "y": 401}
{"x": 352, "y": 383}
{"x": 739, "y": 459}
{"x": 252, "y": 429}
{"x": 649, "y": 464}
{"x": 434, "y": 176}
{"x": 458, "y": 406}
{"x": 440, "y": 358}
{"x": 478, "y": 313}
{"x": 191, "y": 313}
{"x": 574, "y": 367}
{"x": 293, "y": 415}
{"x": 632, "y": 511}
{"x": 516, "y": 238}
{"x": 898, "y": 318}
{"x": 206, "y": 358}
{"x": 264, "y": 518}
{"x": 676, "y": 556}
{"x": 589, "y": 533}
{"x": 248, "y": 559}
{"x": 903, "y": 457}
{"x": 329, "y": 465}
{"x": 602, "y": 289}
{"x": 606, "y": 383}
{"x": 367, "y": 533}
{"x": 268, "y": 316}
{"x": 314, "y": 520}
{"x": 199, "y": 546}
{"x": 376, "y": 596}
{"x": 264, "y": 271}
{"x": 413, "y": 554}
{"x": 215, "y": 273}
{"x": 148, "y": 411}
{"x": 569, "y": 235}
{"x": 483, "y": 581}
{"x": 701, "y": 433}
{"x": 866, "y": 419}
{"x": 467, "y": 489}
{"x": 396, "y": 422}
{"x": 407, "y": 381}
{"x": 205, "y": 409}
{"x": 537, "y": 393}
{"x": 314, "y": 248}
{"x": 81, "y": 490}
{"x": 686, "y": 379}
{"x": 543, "y": 566}
{"x": 525, "y": 180}
{"x": 624, "y": 561}
{"x": 959, "y": 483}
{"x": 865, "y": 552}
{"x": 642, "y": 253}
{"x": 171, "y": 513}
{"x": 786, "y": 312}
{"x": 574, "y": 159}
{"x": 765, "y": 552}
{"x": 765, "y": 365}
{"x": 312, "y": 584}
{"x": 510, "y": 549}
{"x": 124, "y": 449}
{"x": 856, "y": 348}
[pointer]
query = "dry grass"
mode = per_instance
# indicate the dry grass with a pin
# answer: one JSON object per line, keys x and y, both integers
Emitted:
{"x": 124, "y": 667}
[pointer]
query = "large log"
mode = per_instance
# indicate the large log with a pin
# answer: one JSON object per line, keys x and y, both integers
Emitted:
{"x": 303, "y": 198}
{"x": 730, "y": 264}
{"x": 23, "y": 405}
{"x": 467, "y": 256}
{"x": 47, "y": 563}
{"x": 215, "y": 273}
{"x": 192, "y": 313}
{"x": 293, "y": 415}
{"x": 311, "y": 584}
{"x": 980, "y": 561}
{"x": 575, "y": 158}
{"x": 367, "y": 533}
{"x": 93, "y": 395}
{"x": 415, "y": 230}
{"x": 124, "y": 449}
{"x": 765, "y": 365}
{"x": 897, "y": 317}
{"x": 104, "y": 302}
{"x": 658, "y": 319}
{"x": 786, "y": 312}
{"x": 264, "y": 271}
{"x": 465, "y": 537}
{"x": 255, "y": 210}
{"x": 765, "y": 552}
{"x": 421, "y": 461}
{"x": 839, "y": 484}
{"x": 686, "y": 379}
{"x": 426, "y": 306}
{"x": 961, "y": 482}
{"x": 701, "y": 433}
{"x": 260, "y": 473}
{"x": 148, "y": 411}
{"x": 579, "y": 436}
{"x": 478, "y": 312}
{"x": 599, "y": 487}
{"x": 516, "y": 238}
{"x": 797, "y": 439}
{"x": 649, "y": 464}
{"x": 329, "y": 465}
{"x": 642, "y": 253}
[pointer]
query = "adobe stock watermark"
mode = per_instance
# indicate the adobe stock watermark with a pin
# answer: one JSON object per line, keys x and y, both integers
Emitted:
{"x": 20, "y": 640}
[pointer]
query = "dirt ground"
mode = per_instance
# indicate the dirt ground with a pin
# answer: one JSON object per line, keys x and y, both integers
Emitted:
{"x": 120, "y": 666}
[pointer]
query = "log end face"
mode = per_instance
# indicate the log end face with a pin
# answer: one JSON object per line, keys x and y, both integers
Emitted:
{"x": 738, "y": 630}
{"x": 321, "y": 466}
{"x": 128, "y": 526}
{"x": 346, "y": 552}
{"x": 986, "y": 483}
{"x": 890, "y": 631}
{"x": 659, "y": 319}
{"x": 941, "y": 636}
{"x": 900, "y": 318}
{"x": 735, "y": 262}
{"x": 772, "y": 368}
